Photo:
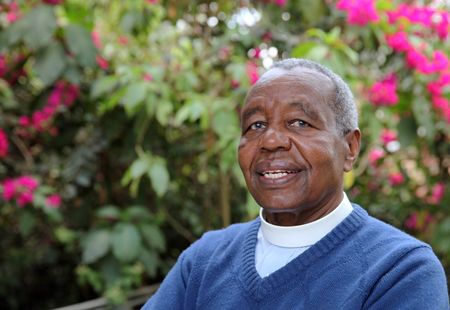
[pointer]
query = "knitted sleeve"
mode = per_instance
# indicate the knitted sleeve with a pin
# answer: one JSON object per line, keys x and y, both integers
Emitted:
{"x": 171, "y": 293}
{"x": 416, "y": 281}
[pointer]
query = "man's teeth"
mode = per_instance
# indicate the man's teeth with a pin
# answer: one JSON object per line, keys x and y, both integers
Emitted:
{"x": 276, "y": 174}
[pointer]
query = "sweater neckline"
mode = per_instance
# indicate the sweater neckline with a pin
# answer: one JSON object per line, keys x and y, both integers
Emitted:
{"x": 259, "y": 287}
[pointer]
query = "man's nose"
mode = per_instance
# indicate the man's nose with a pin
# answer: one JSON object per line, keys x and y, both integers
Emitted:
{"x": 274, "y": 139}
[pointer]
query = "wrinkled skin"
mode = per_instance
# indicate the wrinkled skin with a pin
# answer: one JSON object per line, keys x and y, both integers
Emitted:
{"x": 291, "y": 153}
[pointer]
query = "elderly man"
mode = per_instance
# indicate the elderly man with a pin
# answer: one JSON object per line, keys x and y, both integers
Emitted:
{"x": 310, "y": 248}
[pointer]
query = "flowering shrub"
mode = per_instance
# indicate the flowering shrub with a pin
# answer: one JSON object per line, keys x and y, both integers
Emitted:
{"x": 384, "y": 92}
{"x": 4, "y": 144}
{"x": 119, "y": 126}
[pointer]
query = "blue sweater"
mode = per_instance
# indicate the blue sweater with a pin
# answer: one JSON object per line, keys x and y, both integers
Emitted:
{"x": 362, "y": 263}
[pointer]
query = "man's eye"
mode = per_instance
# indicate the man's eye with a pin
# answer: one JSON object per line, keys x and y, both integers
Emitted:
{"x": 257, "y": 125}
{"x": 299, "y": 123}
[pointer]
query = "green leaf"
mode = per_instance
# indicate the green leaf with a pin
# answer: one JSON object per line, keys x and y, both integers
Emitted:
{"x": 313, "y": 10}
{"x": 138, "y": 213}
{"x": 96, "y": 245}
{"x": 50, "y": 63}
{"x": 26, "y": 223}
{"x": 159, "y": 176}
{"x": 103, "y": 85}
{"x": 150, "y": 261}
{"x": 72, "y": 74}
{"x": 126, "y": 242}
{"x": 108, "y": 213}
{"x": 303, "y": 49}
{"x": 407, "y": 129}
{"x": 163, "y": 111}
{"x": 225, "y": 124}
{"x": 80, "y": 44}
{"x": 12, "y": 35}
{"x": 65, "y": 235}
{"x": 7, "y": 96}
{"x": 153, "y": 237}
{"x": 423, "y": 115}
{"x": 139, "y": 167}
{"x": 134, "y": 95}
{"x": 318, "y": 53}
{"x": 40, "y": 24}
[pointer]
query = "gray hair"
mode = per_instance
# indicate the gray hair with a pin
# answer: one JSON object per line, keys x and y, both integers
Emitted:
{"x": 344, "y": 108}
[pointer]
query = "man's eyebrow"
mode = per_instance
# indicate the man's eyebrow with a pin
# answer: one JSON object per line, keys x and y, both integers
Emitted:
{"x": 304, "y": 107}
{"x": 250, "y": 112}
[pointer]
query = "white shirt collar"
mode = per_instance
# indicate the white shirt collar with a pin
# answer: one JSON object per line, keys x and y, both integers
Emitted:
{"x": 306, "y": 234}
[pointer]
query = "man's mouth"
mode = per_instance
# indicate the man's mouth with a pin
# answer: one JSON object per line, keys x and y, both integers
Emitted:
{"x": 277, "y": 174}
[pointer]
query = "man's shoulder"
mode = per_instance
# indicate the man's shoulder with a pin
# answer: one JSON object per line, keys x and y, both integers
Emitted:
{"x": 383, "y": 231}
{"x": 228, "y": 237}
{"x": 382, "y": 239}
{"x": 230, "y": 233}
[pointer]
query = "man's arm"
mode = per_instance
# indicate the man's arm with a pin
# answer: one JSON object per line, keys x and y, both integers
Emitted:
{"x": 171, "y": 293}
{"x": 416, "y": 281}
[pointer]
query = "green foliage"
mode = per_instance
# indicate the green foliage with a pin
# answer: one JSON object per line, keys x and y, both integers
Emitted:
{"x": 145, "y": 158}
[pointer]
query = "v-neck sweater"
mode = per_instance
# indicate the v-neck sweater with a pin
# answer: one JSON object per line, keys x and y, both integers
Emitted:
{"x": 362, "y": 263}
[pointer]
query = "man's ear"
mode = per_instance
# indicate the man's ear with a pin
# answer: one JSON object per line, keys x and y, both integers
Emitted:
{"x": 353, "y": 142}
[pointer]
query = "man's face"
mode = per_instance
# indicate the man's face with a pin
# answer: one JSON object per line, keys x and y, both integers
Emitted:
{"x": 291, "y": 153}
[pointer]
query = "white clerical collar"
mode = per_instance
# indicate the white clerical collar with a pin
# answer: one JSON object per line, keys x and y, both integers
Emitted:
{"x": 306, "y": 234}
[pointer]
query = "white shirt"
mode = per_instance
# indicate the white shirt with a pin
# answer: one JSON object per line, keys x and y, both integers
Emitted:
{"x": 278, "y": 245}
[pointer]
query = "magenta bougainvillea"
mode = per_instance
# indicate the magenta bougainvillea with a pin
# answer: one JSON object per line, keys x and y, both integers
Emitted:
{"x": 4, "y": 144}
{"x": 384, "y": 92}
{"x": 418, "y": 56}
{"x": 63, "y": 95}
{"x": 360, "y": 12}
{"x": 20, "y": 189}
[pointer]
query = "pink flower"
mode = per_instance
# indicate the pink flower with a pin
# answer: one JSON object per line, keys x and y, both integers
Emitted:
{"x": 21, "y": 188}
{"x": 396, "y": 179}
{"x": 53, "y": 2}
{"x": 24, "y": 120}
{"x": 148, "y": 77}
{"x": 9, "y": 189}
{"x": 360, "y": 12}
{"x": 122, "y": 40}
{"x": 435, "y": 87}
{"x": 439, "y": 102}
{"x": 63, "y": 93}
{"x": 387, "y": 136}
{"x": 437, "y": 193}
{"x": 102, "y": 62}
{"x": 374, "y": 156}
{"x": 384, "y": 92}
{"x": 3, "y": 66}
{"x": 443, "y": 25}
{"x": 267, "y": 36}
{"x": 398, "y": 41}
{"x": 12, "y": 17}
{"x": 252, "y": 72}
{"x": 235, "y": 84}
{"x": 152, "y": 1}
{"x": 415, "y": 59}
{"x": 4, "y": 144}
{"x": 95, "y": 36}
{"x": 53, "y": 201}
{"x": 280, "y": 3}
{"x": 257, "y": 52}
{"x": 440, "y": 61}
{"x": 13, "y": 12}
{"x": 24, "y": 198}
{"x": 411, "y": 221}
{"x": 28, "y": 182}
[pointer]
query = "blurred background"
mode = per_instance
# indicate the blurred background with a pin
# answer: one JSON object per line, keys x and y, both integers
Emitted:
{"x": 119, "y": 126}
